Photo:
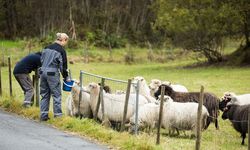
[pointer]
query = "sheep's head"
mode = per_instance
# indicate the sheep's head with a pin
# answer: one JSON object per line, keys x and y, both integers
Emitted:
{"x": 227, "y": 99}
{"x": 93, "y": 88}
{"x": 223, "y": 104}
{"x": 168, "y": 91}
{"x": 228, "y": 95}
{"x": 144, "y": 89}
{"x": 132, "y": 124}
{"x": 138, "y": 78}
{"x": 154, "y": 85}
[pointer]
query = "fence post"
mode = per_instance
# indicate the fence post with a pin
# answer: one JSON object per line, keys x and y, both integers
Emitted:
{"x": 198, "y": 127}
{"x": 33, "y": 83}
{"x": 101, "y": 98}
{"x": 1, "y": 92}
{"x": 160, "y": 116}
{"x": 126, "y": 105}
{"x": 80, "y": 95}
{"x": 10, "y": 79}
{"x": 248, "y": 128}
{"x": 37, "y": 88}
{"x": 137, "y": 107}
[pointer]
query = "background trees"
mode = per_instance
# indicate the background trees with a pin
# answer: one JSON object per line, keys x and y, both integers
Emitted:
{"x": 197, "y": 25}
{"x": 203, "y": 25}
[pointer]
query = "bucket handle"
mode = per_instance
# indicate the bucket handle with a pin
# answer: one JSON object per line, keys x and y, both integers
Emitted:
{"x": 67, "y": 84}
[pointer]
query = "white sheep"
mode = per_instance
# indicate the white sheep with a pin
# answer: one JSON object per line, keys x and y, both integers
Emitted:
{"x": 155, "y": 83}
{"x": 148, "y": 116}
{"x": 113, "y": 103}
{"x": 69, "y": 107}
{"x": 181, "y": 116}
{"x": 72, "y": 103}
{"x": 143, "y": 88}
{"x": 237, "y": 99}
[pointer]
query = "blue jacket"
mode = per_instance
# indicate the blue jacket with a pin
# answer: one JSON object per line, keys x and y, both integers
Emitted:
{"x": 28, "y": 63}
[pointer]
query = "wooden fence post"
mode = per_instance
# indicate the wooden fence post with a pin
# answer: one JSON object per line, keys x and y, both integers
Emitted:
{"x": 80, "y": 95}
{"x": 101, "y": 99}
{"x": 198, "y": 127}
{"x": 33, "y": 83}
{"x": 10, "y": 79}
{"x": 37, "y": 88}
{"x": 248, "y": 128}
{"x": 160, "y": 116}
{"x": 126, "y": 105}
{"x": 1, "y": 91}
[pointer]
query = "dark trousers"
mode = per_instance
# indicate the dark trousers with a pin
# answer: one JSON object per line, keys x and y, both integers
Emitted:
{"x": 26, "y": 84}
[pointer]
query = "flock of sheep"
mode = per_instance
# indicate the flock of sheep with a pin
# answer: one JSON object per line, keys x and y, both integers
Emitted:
{"x": 179, "y": 109}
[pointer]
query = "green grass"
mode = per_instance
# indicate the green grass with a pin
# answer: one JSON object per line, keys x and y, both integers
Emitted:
{"x": 215, "y": 79}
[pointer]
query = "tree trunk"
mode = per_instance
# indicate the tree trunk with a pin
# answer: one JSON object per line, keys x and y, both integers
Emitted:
{"x": 246, "y": 29}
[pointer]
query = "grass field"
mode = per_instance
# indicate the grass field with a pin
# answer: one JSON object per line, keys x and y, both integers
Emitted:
{"x": 215, "y": 79}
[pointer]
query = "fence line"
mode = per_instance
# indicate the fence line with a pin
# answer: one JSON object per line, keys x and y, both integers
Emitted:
{"x": 83, "y": 73}
{"x": 10, "y": 76}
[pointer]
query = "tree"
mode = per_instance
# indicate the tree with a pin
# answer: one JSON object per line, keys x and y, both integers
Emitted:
{"x": 199, "y": 25}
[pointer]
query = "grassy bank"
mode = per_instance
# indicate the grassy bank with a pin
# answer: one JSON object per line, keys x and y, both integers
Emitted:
{"x": 215, "y": 79}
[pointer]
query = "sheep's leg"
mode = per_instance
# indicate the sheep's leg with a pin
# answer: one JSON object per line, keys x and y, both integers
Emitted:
{"x": 81, "y": 116}
{"x": 243, "y": 138}
{"x": 178, "y": 133}
{"x": 216, "y": 121}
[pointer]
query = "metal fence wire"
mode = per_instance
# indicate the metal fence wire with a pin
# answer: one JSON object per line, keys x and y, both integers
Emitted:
{"x": 113, "y": 86}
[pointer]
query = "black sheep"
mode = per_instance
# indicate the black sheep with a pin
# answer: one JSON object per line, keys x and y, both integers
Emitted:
{"x": 210, "y": 101}
{"x": 238, "y": 115}
{"x": 223, "y": 104}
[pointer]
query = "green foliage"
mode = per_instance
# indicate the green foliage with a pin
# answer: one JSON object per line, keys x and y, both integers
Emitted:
{"x": 103, "y": 39}
{"x": 73, "y": 44}
{"x": 198, "y": 25}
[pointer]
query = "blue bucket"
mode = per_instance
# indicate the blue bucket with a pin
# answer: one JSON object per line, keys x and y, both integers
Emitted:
{"x": 67, "y": 86}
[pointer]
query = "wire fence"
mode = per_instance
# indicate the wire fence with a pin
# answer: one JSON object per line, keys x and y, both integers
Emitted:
{"x": 115, "y": 86}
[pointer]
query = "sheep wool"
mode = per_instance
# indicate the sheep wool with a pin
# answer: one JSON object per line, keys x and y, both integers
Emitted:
{"x": 182, "y": 116}
{"x": 113, "y": 103}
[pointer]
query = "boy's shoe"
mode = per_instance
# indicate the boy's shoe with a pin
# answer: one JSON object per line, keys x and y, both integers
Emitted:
{"x": 44, "y": 119}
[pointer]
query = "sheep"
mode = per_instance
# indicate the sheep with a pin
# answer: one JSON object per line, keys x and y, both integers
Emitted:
{"x": 155, "y": 83}
{"x": 69, "y": 107}
{"x": 113, "y": 103}
{"x": 72, "y": 103}
{"x": 238, "y": 115}
{"x": 230, "y": 98}
{"x": 182, "y": 116}
{"x": 144, "y": 89}
{"x": 211, "y": 101}
{"x": 148, "y": 116}
{"x": 237, "y": 99}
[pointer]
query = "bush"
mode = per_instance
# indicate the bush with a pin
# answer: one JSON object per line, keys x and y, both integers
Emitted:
{"x": 73, "y": 44}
